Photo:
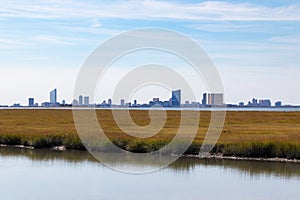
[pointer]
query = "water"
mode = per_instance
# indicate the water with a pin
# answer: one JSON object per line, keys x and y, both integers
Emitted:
{"x": 74, "y": 175}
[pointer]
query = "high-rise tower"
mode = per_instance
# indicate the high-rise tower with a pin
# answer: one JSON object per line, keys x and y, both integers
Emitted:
{"x": 176, "y": 98}
{"x": 53, "y": 96}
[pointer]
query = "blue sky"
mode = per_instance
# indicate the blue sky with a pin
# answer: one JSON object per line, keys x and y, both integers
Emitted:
{"x": 255, "y": 45}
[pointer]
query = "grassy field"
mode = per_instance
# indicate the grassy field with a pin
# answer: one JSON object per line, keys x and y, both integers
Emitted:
{"x": 245, "y": 134}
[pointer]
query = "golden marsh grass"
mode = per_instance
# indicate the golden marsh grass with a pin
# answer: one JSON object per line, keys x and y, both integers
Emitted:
{"x": 253, "y": 133}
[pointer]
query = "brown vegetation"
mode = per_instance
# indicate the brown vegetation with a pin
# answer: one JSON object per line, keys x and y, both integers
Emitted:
{"x": 249, "y": 134}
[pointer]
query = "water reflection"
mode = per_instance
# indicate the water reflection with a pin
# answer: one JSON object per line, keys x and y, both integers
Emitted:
{"x": 184, "y": 164}
{"x": 246, "y": 167}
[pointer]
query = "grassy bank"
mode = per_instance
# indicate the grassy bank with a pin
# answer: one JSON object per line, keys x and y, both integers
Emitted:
{"x": 245, "y": 134}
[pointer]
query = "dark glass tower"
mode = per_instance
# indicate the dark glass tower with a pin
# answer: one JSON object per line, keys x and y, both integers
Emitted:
{"x": 176, "y": 98}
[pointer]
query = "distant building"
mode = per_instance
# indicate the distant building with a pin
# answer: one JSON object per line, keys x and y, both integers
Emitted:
{"x": 135, "y": 102}
{"x": 53, "y": 96}
{"x": 75, "y": 102}
{"x": 176, "y": 98}
{"x": 241, "y": 104}
{"x": 166, "y": 103}
{"x": 80, "y": 100}
{"x": 63, "y": 102}
{"x": 254, "y": 102}
{"x": 53, "y": 100}
{"x": 47, "y": 104}
{"x": 128, "y": 104}
{"x": 204, "y": 99}
{"x": 144, "y": 105}
{"x": 86, "y": 100}
{"x": 215, "y": 99}
{"x": 31, "y": 102}
{"x": 122, "y": 102}
{"x": 155, "y": 100}
{"x": 109, "y": 102}
{"x": 265, "y": 102}
{"x": 16, "y": 105}
{"x": 195, "y": 104}
{"x": 188, "y": 104}
{"x": 278, "y": 104}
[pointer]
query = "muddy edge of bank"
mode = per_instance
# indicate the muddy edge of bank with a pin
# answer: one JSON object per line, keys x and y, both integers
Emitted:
{"x": 207, "y": 156}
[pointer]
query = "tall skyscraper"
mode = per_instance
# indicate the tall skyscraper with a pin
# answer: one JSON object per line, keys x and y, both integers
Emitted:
{"x": 122, "y": 103}
{"x": 86, "y": 100}
{"x": 53, "y": 96}
{"x": 204, "y": 99}
{"x": 30, "y": 102}
{"x": 176, "y": 98}
{"x": 80, "y": 100}
{"x": 215, "y": 99}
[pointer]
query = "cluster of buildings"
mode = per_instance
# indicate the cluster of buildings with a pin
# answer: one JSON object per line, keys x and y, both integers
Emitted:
{"x": 52, "y": 103}
{"x": 53, "y": 100}
{"x": 208, "y": 100}
{"x": 174, "y": 101}
{"x": 82, "y": 101}
{"x": 258, "y": 103}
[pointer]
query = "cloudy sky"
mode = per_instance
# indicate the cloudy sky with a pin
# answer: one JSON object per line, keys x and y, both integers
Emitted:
{"x": 255, "y": 45}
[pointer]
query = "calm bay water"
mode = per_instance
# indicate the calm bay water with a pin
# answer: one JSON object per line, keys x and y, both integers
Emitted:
{"x": 45, "y": 174}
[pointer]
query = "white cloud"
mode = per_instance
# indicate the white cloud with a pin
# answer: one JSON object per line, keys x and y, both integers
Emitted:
{"x": 149, "y": 9}
{"x": 59, "y": 40}
{"x": 51, "y": 39}
{"x": 221, "y": 27}
{"x": 290, "y": 39}
{"x": 95, "y": 23}
{"x": 6, "y": 43}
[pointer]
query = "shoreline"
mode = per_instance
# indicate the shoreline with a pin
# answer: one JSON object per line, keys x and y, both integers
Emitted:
{"x": 211, "y": 156}
{"x": 236, "y": 158}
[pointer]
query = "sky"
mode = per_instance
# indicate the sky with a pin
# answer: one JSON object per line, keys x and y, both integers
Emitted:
{"x": 255, "y": 45}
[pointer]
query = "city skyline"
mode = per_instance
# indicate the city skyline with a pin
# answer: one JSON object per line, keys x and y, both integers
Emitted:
{"x": 208, "y": 99}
